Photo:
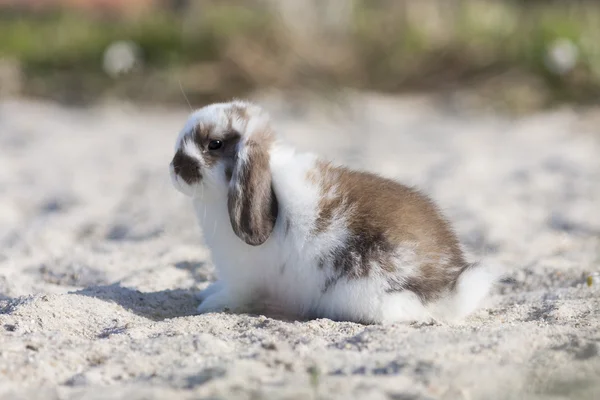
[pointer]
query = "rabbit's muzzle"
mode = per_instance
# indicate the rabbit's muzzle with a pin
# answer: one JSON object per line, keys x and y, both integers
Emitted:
{"x": 186, "y": 167}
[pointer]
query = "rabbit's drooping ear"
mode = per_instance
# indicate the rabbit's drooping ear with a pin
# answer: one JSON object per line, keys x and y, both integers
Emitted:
{"x": 251, "y": 201}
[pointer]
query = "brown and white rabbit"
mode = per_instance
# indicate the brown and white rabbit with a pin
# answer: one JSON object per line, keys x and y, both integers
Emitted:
{"x": 316, "y": 239}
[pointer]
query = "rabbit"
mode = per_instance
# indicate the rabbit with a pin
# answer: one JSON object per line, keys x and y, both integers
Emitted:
{"x": 311, "y": 238}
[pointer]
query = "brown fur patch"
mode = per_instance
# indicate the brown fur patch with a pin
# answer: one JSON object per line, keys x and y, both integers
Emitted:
{"x": 383, "y": 216}
{"x": 203, "y": 134}
{"x": 186, "y": 167}
{"x": 239, "y": 112}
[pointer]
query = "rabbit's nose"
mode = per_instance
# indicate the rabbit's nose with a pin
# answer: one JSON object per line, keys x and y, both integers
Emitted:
{"x": 186, "y": 167}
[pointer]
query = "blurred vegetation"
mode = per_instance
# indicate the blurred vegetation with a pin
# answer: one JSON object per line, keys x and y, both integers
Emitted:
{"x": 516, "y": 54}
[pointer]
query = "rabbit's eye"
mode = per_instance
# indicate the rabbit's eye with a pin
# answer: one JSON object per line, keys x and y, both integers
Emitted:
{"x": 215, "y": 144}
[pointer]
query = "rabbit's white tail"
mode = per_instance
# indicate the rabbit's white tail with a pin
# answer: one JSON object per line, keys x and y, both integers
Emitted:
{"x": 472, "y": 286}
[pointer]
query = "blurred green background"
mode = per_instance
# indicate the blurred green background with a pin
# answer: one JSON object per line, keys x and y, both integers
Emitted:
{"x": 517, "y": 55}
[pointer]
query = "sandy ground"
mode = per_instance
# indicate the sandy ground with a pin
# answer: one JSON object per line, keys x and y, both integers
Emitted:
{"x": 99, "y": 258}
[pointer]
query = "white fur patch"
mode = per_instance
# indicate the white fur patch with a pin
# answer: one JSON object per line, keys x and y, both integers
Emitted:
{"x": 191, "y": 149}
{"x": 472, "y": 287}
{"x": 403, "y": 307}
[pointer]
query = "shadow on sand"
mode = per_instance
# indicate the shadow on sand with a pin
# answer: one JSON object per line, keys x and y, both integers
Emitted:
{"x": 154, "y": 305}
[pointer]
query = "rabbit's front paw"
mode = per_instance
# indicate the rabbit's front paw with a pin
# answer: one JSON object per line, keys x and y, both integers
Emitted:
{"x": 216, "y": 302}
{"x": 209, "y": 290}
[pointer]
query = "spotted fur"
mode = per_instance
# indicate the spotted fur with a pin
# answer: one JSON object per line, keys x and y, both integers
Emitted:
{"x": 312, "y": 239}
